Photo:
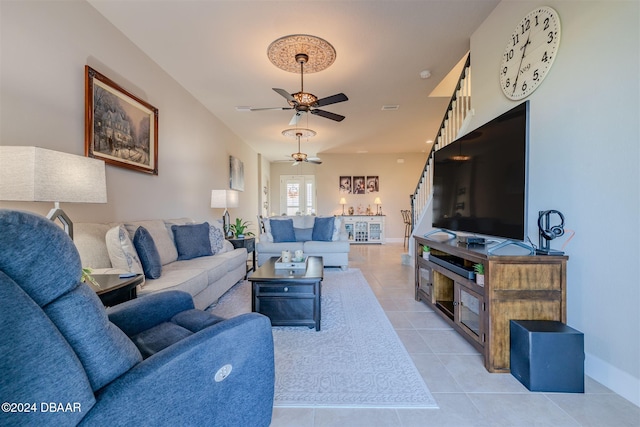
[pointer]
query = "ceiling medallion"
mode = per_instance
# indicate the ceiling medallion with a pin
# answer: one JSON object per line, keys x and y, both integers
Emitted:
{"x": 303, "y": 133}
{"x": 282, "y": 53}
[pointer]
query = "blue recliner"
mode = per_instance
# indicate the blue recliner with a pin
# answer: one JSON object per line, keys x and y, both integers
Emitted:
{"x": 65, "y": 361}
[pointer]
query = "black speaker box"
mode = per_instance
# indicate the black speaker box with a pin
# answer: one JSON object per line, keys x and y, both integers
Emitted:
{"x": 547, "y": 356}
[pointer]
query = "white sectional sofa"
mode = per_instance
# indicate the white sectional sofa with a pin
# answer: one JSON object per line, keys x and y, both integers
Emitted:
{"x": 334, "y": 250}
{"x": 109, "y": 248}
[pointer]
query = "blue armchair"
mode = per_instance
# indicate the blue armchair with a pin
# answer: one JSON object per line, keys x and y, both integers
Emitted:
{"x": 65, "y": 360}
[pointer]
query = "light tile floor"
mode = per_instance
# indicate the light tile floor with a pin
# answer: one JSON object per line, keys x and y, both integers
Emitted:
{"x": 467, "y": 395}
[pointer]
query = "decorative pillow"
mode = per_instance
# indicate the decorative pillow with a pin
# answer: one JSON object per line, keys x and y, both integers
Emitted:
{"x": 148, "y": 253}
{"x": 122, "y": 253}
{"x": 161, "y": 237}
{"x": 267, "y": 229}
{"x": 282, "y": 231}
{"x": 192, "y": 240}
{"x": 337, "y": 222}
{"x": 323, "y": 229}
{"x": 216, "y": 237}
{"x": 303, "y": 234}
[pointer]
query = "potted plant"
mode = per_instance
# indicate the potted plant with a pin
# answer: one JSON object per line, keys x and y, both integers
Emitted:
{"x": 425, "y": 251}
{"x": 87, "y": 277}
{"x": 239, "y": 227}
{"x": 479, "y": 269}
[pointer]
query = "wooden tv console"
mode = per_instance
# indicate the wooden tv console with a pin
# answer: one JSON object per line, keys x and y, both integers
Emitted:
{"x": 515, "y": 287}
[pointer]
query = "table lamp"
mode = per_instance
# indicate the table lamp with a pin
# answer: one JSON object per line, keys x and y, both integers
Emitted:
{"x": 34, "y": 174}
{"x": 223, "y": 199}
{"x": 343, "y": 202}
{"x": 377, "y": 202}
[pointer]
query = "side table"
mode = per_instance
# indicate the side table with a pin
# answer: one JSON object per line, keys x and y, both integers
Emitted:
{"x": 249, "y": 243}
{"x": 114, "y": 290}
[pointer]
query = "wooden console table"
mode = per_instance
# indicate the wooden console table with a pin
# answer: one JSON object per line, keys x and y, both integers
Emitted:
{"x": 515, "y": 287}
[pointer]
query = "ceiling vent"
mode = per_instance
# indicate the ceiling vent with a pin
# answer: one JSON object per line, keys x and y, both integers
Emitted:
{"x": 390, "y": 107}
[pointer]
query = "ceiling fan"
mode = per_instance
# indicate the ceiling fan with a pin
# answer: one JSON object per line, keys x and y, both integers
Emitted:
{"x": 303, "y": 102}
{"x": 302, "y": 157}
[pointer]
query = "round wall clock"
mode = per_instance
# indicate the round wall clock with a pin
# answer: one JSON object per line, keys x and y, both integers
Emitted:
{"x": 530, "y": 52}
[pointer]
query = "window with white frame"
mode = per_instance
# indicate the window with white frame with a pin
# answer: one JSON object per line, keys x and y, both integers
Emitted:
{"x": 297, "y": 195}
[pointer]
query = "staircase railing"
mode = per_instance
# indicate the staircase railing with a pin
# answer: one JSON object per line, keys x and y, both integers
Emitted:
{"x": 454, "y": 117}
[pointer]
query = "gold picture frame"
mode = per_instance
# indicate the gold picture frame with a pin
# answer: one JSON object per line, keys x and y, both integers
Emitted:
{"x": 120, "y": 128}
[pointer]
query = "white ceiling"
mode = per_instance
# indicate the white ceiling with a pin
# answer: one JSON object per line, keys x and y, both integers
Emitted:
{"x": 217, "y": 51}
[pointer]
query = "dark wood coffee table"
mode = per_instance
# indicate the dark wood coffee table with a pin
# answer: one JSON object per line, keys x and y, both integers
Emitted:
{"x": 288, "y": 297}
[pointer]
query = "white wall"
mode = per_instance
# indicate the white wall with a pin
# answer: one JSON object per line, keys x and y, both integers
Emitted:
{"x": 584, "y": 160}
{"x": 45, "y": 46}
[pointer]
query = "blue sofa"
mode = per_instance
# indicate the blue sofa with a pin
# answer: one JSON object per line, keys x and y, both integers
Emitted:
{"x": 155, "y": 360}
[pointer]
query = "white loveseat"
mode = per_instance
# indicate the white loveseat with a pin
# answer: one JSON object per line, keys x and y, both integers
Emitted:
{"x": 334, "y": 252}
{"x": 109, "y": 248}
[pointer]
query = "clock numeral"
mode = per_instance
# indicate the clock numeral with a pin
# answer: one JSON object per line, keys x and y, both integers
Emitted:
{"x": 507, "y": 83}
{"x": 536, "y": 76}
{"x": 524, "y": 86}
{"x": 526, "y": 26}
{"x": 516, "y": 39}
{"x": 546, "y": 24}
{"x": 508, "y": 55}
{"x": 537, "y": 21}
{"x": 504, "y": 71}
{"x": 551, "y": 37}
{"x": 545, "y": 57}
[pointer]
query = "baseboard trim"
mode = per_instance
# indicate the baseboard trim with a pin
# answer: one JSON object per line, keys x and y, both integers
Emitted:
{"x": 619, "y": 381}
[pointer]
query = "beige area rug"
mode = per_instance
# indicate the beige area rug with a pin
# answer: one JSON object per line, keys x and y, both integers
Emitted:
{"x": 356, "y": 360}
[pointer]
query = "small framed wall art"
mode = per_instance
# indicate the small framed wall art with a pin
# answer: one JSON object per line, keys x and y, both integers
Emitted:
{"x": 345, "y": 185}
{"x": 236, "y": 174}
{"x": 120, "y": 128}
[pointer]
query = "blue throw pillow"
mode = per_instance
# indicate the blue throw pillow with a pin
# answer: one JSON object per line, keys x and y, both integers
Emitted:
{"x": 192, "y": 240}
{"x": 282, "y": 230}
{"x": 323, "y": 229}
{"x": 148, "y": 253}
{"x": 303, "y": 234}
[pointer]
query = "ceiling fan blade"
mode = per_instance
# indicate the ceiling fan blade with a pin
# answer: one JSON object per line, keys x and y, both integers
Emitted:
{"x": 285, "y": 94}
{"x": 314, "y": 160}
{"x": 271, "y": 108}
{"x": 334, "y": 99}
{"x": 328, "y": 115}
{"x": 295, "y": 163}
{"x": 295, "y": 118}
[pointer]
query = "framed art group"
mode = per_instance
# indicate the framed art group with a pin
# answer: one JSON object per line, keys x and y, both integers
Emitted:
{"x": 359, "y": 184}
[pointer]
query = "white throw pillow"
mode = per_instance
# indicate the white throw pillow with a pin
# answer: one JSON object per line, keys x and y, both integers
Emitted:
{"x": 337, "y": 223}
{"x": 267, "y": 230}
{"x": 122, "y": 253}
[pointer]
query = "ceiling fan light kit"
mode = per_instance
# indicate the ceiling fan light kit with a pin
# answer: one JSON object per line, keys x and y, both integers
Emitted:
{"x": 299, "y": 157}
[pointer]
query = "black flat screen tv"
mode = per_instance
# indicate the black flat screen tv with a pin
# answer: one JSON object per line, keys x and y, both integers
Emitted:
{"x": 480, "y": 180}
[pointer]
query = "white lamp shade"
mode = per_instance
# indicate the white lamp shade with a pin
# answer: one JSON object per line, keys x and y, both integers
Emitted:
{"x": 377, "y": 201}
{"x": 343, "y": 201}
{"x": 36, "y": 174}
{"x": 224, "y": 199}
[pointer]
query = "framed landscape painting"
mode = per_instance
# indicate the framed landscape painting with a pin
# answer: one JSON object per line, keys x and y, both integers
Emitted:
{"x": 120, "y": 128}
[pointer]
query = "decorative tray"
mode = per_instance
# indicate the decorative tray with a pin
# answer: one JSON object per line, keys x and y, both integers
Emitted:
{"x": 295, "y": 263}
